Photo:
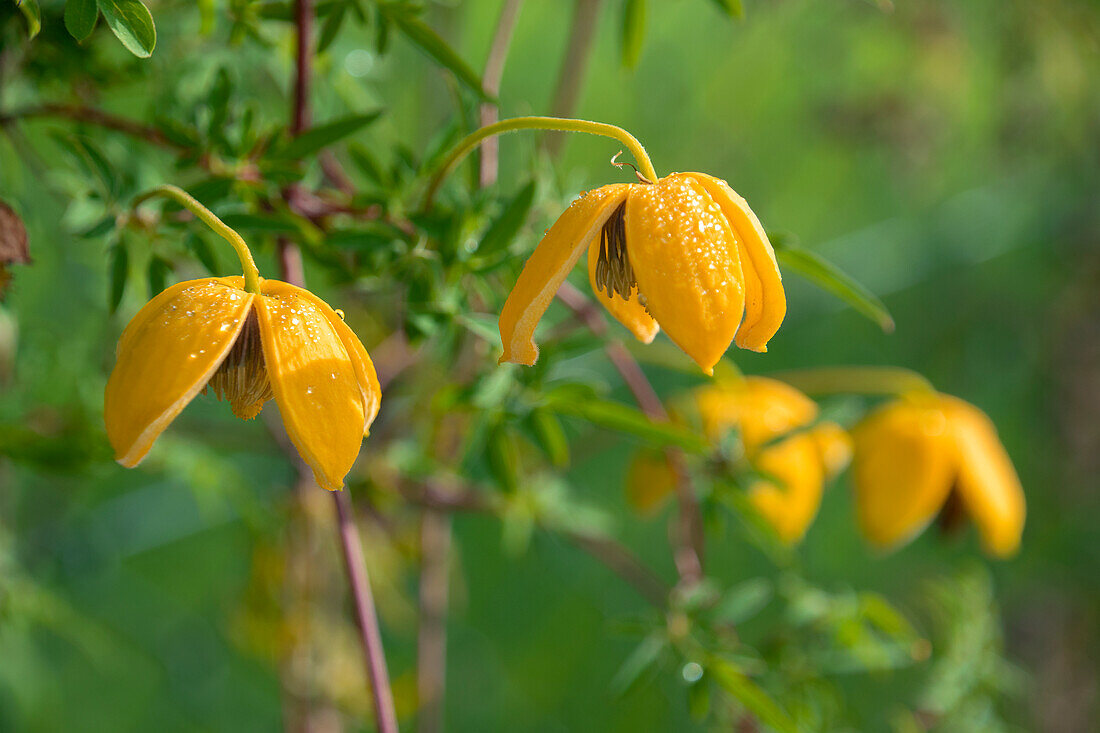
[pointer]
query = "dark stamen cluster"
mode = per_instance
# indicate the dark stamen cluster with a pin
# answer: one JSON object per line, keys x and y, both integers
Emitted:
{"x": 613, "y": 271}
{"x": 242, "y": 376}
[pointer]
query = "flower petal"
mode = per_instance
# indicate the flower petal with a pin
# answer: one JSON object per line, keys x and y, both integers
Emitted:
{"x": 987, "y": 481}
{"x": 761, "y": 408}
{"x": 765, "y": 299}
{"x": 314, "y": 381}
{"x": 685, "y": 260}
{"x": 548, "y": 267}
{"x": 166, "y": 356}
{"x": 834, "y": 446}
{"x": 904, "y": 460}
{"x": 630, "y": 313}
{"x": 790, "y": 506}
{"x": 360, "y": 359}
{"x": 650, "y": 480}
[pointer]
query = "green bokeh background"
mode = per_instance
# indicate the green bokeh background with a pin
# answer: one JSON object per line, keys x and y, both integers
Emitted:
{"x": 943, "y": 153}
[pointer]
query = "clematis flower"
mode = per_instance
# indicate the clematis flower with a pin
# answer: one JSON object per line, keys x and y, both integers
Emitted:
{"x": 685, "y": 254}
{"x": 248, "y": 340}
{"x": 794, "y": 456}
{"x": 917, "y": 455}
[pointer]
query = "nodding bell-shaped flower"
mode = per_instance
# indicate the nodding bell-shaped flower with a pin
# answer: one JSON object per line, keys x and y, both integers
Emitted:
{"x": 684, "y": 253}
{"x": 930, "y": 452}
{"x": 794, "y": 456}
{"x": 248, "y": 340}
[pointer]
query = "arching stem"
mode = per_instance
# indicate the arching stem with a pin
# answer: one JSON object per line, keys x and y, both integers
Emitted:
{"x": 856, "y": 380}
{"x": 560, "y": 124}
{"x": 187, "y": 201}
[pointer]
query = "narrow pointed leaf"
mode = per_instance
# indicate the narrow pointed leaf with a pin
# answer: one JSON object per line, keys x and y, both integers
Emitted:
{"x": 433, "y": 44}
{"x": 751, "y": 695}
{"x": 505, "y": 227}
{"x": 318, "y": 138}
{"x": 832, "y": 279}
{"x": 32, "y": 14}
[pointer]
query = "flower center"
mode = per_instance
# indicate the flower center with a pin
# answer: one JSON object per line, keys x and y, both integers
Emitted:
{"x": 613, "y": 271}
{"x": 242, "y": 376}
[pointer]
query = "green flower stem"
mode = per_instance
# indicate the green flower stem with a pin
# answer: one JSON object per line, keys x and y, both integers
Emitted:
{"x": 558, "y": 124}
{"x": 856, "y": 380}
{"x": 187, "y": 201}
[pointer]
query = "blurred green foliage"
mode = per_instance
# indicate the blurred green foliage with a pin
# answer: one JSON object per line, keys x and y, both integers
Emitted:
{"x": 942, "y": 154}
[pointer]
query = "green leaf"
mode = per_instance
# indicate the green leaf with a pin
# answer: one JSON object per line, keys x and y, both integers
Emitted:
{"x": 80, "y": 18}
{"x": 732, "y": 8}
{"x": 550, "y": 436}
{"x": 751, "y": 695}
{"x": 370, "y": 167}
{"x": 743, "y": 601}
{"x": 505, "y": 227}
{"x": 331, "y": 27}
{"x": 634, "y": 12}
{"x": 202, "y": 251}
{"x": 33, "y": 15}
{"x": 317, "y": 138}
{"x": 615, "y": 416}
{"x": 642, "y": 659}
{"x": 433, "y": 44}
{"x": 260, "y": 223}
{"x": 159, "y": 269}
{"x": 120, "y": 267}
{"x": 132, "y": 24}
{"x": 832, "y": 279}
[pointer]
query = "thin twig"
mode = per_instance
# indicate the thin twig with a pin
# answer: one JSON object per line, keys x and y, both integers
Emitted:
{"x": 453, "y": 496}
{"x": 351, "y": 544}
{"x": 431, "y": 650}
{"x": 582, "y": 33}
{"x": 384, "y": 714}
{"x": 92, "y": 116}
{"x": 490, "y": 80}
{"x": 689, "y": 545}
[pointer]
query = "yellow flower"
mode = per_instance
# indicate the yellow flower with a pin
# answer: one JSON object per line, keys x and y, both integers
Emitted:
{"x": 794, "y": 456}
{"x": 247, "y": 347}
{"x": 913, "y": 453}
{"x": 685, "y": 254}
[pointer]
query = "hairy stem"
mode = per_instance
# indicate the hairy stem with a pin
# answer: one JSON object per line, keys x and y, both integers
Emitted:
{"x": 208, "y": 217}
{"x": 514, "y": 124}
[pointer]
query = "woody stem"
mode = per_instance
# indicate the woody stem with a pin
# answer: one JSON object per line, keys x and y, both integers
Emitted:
{"x": 208, "y": 217}
{"x": 560, "y": 124}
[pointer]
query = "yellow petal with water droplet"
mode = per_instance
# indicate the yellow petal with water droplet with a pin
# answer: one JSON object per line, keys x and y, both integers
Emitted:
{"x": 166, "y": 355}
{"x": 630, "y": 313}
{"x": 684, "y": 258}
{"x": 987, "y": 481}
{"x": 547, "y": 268}
{"x": 765, "y": 299}
{"x": 314, "y": 381}
{"x": 360, "y": 359}
{"x": 903, "y": 467}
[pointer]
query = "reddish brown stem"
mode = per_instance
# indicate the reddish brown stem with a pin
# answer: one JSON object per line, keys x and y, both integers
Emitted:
{"x": 689, "y": 545}
{"x": 490, "y": 80}
{"x": 435, "y": 555}
{"x": 99, "y": 118}
{"x": 582, "y": 33}
{"x": 290, "y": 261}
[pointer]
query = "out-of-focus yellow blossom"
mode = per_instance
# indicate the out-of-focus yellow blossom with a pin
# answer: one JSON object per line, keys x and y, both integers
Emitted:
{"x": 249, "y": 340}
{"x": 794, "y": 456}
{"x": 911, "y": 454}
{"x": 684, "y": 253}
